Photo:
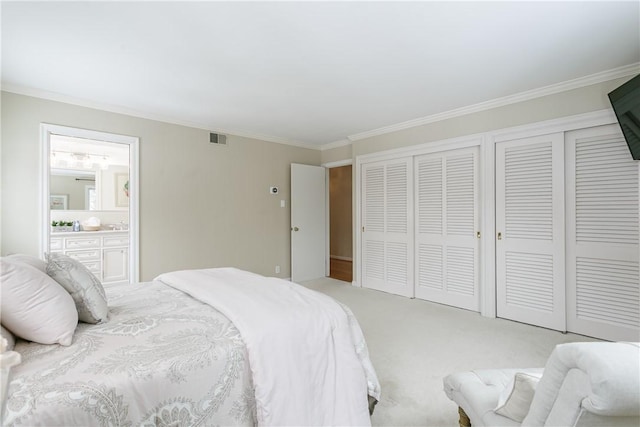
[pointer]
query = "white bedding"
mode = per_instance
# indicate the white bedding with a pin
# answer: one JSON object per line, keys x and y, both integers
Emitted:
{"x": 301, "y": 346}
{"x": 165, "y": 358}
{"x": 162, "y": 358}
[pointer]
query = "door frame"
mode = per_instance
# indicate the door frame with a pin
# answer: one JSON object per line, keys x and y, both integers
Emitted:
{"x": 133, "y": 142}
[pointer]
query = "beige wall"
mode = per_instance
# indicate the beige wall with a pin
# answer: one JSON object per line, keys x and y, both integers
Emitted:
{"x": 336, "y": 154}
{"x": 73, "y": 188}
{"x": 341, "y": 229}
{"x": 106, "y": 186}
{"x": 200, "y": 205}
{"x": 204, "y": 205}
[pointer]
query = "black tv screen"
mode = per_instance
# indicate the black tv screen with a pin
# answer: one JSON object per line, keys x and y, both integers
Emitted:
{"x": 625, "y": 101}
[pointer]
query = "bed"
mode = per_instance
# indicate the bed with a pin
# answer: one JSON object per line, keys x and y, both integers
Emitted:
{"x": 199, "y": 347}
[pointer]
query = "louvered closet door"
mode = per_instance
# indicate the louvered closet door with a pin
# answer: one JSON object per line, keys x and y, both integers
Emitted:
{"x": 603, "y": 277}
{"x": 446, "y": 224}
{"x": 387, "y": 219}
{"x": 530, "y": 271}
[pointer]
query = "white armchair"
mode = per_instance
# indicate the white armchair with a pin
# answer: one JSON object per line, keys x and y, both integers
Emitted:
{"x": 582, "y": 384}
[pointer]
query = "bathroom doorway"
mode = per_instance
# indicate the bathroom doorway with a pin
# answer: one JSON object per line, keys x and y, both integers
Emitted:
{"x": 90, "y": 200}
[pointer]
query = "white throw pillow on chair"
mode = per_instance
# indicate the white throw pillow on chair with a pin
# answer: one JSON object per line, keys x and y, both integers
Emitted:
{"x": 515, "y": 400}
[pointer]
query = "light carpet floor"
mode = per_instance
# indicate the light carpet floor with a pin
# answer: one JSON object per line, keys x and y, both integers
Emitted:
{"x": 414, "y": 344}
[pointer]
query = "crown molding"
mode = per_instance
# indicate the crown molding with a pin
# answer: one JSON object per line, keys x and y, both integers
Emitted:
{"x": 592, "y": 79}
{"x": 337, "y": 163}
{"x": 81, "y": 102}
{"x": 627, "y": 70}
{"x": 335, "y": 144}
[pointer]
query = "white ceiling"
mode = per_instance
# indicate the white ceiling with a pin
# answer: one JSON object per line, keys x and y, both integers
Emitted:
{"x": 307, "y": 73}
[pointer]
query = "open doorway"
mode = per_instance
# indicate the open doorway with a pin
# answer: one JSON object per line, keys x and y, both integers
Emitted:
{"x": 89, "y": 196}
{"x": 340, "y": 224}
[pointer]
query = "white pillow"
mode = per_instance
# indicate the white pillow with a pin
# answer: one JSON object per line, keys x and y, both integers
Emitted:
{"x": 515, "y": 400}
{"x": 30, "y": 260}
{"x": 85, "y": 289}
{"x": 34, "y": 306}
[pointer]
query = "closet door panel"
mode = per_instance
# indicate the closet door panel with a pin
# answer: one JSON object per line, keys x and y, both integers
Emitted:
{"x": 603, "y": 279}
{"x": 373, "y": 219}
{"x": 446, "y": 224}
{"x": 387, "y": 220}
{"x": 530, "y": 226}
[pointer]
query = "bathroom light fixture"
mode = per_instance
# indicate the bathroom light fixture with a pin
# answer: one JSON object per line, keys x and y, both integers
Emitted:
{"x": 77, "y": 160}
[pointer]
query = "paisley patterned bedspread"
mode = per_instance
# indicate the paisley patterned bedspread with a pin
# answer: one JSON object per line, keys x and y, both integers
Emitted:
{"x": 163, "y": 358}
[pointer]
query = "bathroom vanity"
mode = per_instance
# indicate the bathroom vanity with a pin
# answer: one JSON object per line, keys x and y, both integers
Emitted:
{"x": 104, "y": 253}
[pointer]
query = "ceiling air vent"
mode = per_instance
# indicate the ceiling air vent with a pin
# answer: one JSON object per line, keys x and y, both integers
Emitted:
{"x": 216, "y": 138}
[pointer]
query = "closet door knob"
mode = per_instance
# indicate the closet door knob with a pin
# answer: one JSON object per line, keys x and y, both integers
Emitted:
{"x": 499, "y": 236}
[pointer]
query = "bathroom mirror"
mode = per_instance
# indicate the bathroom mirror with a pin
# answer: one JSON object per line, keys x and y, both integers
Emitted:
{"x": 88, "y": 175}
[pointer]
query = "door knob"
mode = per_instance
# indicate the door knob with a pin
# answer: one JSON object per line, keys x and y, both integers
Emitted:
{"x": 499, "y": 236}
{"x": 295, "y": 229}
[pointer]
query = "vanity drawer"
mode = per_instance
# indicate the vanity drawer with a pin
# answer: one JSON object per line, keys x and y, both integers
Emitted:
{"x": 93, "y": 266}
{"x": 122, "y": 240}
{"x": 78, "y": 243}
{"x": 82, "y": 256}
{"x": 55, "y": 244}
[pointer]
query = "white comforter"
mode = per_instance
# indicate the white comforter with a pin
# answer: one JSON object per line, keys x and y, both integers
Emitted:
{"x": 162, "y": 359}
{"x": 300, "y": 343}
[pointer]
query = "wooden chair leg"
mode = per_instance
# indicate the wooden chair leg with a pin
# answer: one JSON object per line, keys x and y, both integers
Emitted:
{"x": 464, "y": 418}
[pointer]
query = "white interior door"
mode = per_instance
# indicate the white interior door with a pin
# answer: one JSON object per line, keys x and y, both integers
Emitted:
{"x": 387, "y": 226}
{"x": 603, "y": 275}
{"x": 308, "y": 223}
{"x": 530, "y": 270}
{"x": 447, "y": 264}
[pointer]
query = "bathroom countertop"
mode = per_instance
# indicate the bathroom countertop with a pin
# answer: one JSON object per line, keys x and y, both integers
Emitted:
{"x": 79, "y": 233}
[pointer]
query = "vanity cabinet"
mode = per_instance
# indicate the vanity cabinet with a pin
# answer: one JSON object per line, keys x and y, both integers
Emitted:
{"x": 105, "y": 254}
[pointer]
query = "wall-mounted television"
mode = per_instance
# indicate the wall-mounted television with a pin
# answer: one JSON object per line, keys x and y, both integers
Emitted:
{"x": 625, "y": 101}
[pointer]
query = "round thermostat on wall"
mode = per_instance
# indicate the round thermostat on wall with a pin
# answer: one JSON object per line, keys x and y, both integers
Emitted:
{"x": 273, "y": 190}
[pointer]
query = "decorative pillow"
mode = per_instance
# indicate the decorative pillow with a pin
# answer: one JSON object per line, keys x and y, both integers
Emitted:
{"x": 11, "y": 340}
{"x": 515, "y": 400}
{"x": 85, "y": 289}
{"x": 29, "y": 260}
{"x": 34, "y": 306}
